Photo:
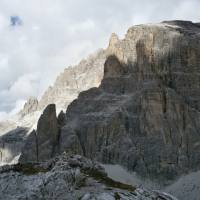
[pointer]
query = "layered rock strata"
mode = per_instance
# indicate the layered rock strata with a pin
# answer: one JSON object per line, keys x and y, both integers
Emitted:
{"x": 145, "y": 114}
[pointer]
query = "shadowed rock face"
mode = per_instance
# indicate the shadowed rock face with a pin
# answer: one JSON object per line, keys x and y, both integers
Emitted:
{"x": 30, "y": 106}
{"x": 11, "y": 144}
{"x": 145, "y": 114}
{"x": 41, "y": 144}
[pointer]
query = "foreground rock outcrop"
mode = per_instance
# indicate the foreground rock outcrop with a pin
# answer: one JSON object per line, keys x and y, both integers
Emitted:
{"x": 67, "y": 177}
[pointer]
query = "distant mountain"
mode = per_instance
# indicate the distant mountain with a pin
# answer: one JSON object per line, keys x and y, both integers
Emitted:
{"x": 88, "y": 73}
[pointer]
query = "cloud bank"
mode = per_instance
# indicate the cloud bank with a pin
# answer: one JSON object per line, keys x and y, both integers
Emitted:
{"x": 38, "y": 39}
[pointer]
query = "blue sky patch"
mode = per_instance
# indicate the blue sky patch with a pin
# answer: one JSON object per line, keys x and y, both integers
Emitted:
{"x": 15, "y": 21}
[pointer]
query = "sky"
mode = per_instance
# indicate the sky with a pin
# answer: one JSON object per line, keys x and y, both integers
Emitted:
{"x": 39, "y": 38}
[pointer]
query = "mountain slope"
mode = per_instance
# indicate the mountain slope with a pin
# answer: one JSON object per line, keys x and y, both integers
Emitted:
{"x": 88, "y": 73}
{"x": 145, "y": 114}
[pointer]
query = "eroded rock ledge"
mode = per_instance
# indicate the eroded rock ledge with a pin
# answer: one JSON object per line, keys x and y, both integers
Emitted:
{"x": 69, "y": 177}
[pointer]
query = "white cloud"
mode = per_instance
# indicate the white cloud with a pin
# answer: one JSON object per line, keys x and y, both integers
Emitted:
{"x": 55, "y": 34}
{"x": 3, "y": 115}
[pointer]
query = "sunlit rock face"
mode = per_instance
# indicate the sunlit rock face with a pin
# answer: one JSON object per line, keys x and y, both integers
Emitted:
{"x": 88, "y": 73}
{"x": 145, "y": 114}
{"x": 30, "y": 106}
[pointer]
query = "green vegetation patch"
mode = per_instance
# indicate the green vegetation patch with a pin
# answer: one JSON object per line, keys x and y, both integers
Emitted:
{"x": 103, "y": 178}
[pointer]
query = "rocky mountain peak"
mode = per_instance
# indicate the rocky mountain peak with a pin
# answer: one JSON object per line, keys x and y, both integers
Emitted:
{"x": 88, "y": 73}
{"x": 30, "y": 106}
{"x": 114, "y": 39}
{"x": 187, "y": 24}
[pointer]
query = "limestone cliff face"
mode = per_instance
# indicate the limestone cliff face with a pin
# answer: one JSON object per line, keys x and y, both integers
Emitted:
{"x": 145, "y": 114}
{"x": 41, "y": 144}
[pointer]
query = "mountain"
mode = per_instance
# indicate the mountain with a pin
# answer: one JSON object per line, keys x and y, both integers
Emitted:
{"x": 88, "y": 73}
{"x": 145, "y": 114}
{"x": 137, "y": 105}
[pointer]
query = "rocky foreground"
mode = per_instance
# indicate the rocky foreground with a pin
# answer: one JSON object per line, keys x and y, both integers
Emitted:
{"x": 67, "y": 178}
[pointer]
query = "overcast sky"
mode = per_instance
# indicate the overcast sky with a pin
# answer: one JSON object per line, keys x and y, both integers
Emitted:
{"x": 39, "y": 38}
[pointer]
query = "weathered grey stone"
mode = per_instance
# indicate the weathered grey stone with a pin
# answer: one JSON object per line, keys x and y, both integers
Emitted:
{"x": 145, "y": 114}
{"x": 61, "y": 118}
{"x": 67, "y": 178}
{"x": 11, "y": 144}
{"x": 43, "y": 143}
